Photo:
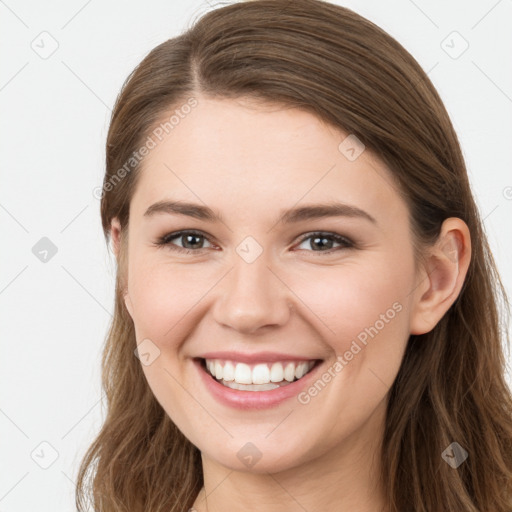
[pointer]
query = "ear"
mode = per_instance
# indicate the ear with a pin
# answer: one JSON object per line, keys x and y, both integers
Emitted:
{"x": 115, "y": 235}
{"x": 442, "y": 277}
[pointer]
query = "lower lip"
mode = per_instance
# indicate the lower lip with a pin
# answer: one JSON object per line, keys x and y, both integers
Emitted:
{"x": 253, "y": 399}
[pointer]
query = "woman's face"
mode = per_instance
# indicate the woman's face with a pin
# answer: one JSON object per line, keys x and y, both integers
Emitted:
{"x": 302, "y": 259}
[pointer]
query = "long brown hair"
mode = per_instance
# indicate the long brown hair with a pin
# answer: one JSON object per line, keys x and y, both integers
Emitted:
{"x": 451, "y": 386}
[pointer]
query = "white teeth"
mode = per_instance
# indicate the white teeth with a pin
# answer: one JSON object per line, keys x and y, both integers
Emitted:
{"x": 276, "y": 372}
{"x": 243, "y": 373}
{"x": 289, "y": 372}
{"x": 301, "y": 370}
{"x": 228, "y": 372}
{"x": 259, "y": 375}
{"x": 218, "y": 370}
{"x": 250, "y": 387}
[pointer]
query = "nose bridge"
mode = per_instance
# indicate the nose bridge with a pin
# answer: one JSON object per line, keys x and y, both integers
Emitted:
{"x": 251, "y": 296}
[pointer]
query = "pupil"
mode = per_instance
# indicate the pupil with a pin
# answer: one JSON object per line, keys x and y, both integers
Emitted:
{"x": 188, "y": 237}
{"x": 320, "y": 242}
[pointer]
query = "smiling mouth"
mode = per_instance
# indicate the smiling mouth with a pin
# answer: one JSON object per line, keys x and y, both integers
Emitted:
{"x": 257, "y": 377}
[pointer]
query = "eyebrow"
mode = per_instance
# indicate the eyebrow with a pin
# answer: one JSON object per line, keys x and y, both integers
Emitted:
{"x": 293, "y": 215}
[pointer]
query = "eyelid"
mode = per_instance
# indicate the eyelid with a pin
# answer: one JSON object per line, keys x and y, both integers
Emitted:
{"x": 165, "y": 240}
{"x": 328, "y": 234}
{"x": 347, "y": 242}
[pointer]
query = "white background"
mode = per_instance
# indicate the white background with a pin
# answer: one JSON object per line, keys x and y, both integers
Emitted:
{"x": 55, "y": 114}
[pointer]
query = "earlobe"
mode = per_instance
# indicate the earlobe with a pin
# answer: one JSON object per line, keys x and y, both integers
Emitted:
{"x": 115, "y": 235}
{"x": 128, "y": 303}
{"x": 442, "y": 278}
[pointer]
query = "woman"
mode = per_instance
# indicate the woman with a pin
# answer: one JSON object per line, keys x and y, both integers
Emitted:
{"x": 244, "y": 370}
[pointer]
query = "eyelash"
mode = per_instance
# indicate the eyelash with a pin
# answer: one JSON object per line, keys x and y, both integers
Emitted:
{"x": 166, "y": 241}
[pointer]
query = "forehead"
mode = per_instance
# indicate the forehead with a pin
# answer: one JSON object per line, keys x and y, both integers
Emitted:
{"x": 251, "y": 158}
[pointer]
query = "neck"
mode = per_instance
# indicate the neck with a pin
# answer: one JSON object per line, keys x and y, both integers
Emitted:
{"x": 343, "y": 478}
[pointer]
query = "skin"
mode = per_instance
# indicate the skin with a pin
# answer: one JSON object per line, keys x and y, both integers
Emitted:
{"x": 249, "y": 162}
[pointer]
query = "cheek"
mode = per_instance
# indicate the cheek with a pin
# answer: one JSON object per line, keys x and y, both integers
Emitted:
{"x": 162, "y": 294}
{"x": 343, "y": 300}
{"x": 349, "y": 299}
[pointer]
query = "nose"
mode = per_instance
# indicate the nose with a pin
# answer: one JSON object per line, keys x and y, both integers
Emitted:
{"x": 252, "y": 297}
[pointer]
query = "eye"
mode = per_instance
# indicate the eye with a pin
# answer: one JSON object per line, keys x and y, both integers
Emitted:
{"x": 324, "y": 241}
{"x": 191, "y": 240}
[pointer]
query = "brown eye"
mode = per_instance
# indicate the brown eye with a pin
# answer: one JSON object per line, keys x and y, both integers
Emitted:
{"x": 324, "y": 242}
{"x": 191, "y": 241}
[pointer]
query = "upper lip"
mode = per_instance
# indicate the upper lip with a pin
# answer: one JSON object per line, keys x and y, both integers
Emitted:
{"x": 255, "y": 357}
